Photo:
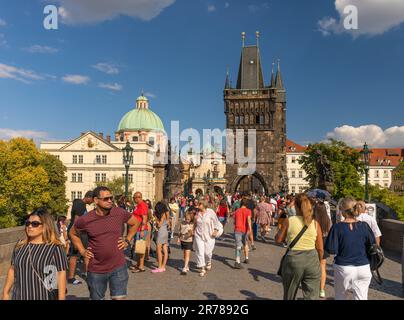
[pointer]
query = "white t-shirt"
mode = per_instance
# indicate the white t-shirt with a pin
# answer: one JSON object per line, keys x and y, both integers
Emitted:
{"x": 371, "y": 222}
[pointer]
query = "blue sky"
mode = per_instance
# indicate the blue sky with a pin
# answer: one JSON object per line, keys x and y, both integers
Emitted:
{"x": 344, "y": 84}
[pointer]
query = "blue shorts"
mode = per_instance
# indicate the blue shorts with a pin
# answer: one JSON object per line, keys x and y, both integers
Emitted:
{"x": 241, "y": 239}
{"x": 117, "y": 280}
{"x": 137, "y": 236}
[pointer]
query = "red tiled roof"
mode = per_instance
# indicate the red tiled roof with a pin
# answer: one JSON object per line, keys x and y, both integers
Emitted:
{"x": 294, "y": 147}
{"x": 386, "y": 156}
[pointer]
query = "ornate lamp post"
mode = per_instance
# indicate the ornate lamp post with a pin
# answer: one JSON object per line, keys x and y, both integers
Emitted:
{"x": 366, "y": 157}
{"x": 127, "y": 160}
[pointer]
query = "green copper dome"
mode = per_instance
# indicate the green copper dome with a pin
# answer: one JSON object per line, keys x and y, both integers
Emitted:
{"x": 141, "y": 118}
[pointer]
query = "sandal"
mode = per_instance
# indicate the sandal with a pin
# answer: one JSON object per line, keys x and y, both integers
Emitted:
{"x": 137, "y": 270}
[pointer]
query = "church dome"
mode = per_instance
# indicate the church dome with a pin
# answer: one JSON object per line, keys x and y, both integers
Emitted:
{"x": 141, "y": 118}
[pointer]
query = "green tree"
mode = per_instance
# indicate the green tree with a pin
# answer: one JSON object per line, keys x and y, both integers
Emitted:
{"x": 346, "y": 166}
{"x": 27, "y": 181}
{"x": 116, "y": 185}
{"x": 389, "y": 198}
{"x": 57, "y": 182}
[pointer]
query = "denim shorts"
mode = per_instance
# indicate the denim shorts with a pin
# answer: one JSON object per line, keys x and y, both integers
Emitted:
{"x": 241, "y": 239}
{"x": 117, "y": 280}
{"x": 137, "y": 236}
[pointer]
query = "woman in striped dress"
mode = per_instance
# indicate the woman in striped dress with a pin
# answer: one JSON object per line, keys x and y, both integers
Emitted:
{"x": 38, "y": 264}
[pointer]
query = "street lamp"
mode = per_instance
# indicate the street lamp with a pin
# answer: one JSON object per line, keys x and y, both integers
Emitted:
{"x": 366, "y": 157}
{"x": 127, "y": 160}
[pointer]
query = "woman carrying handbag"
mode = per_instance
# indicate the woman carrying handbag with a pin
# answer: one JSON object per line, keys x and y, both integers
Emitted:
{"x": 301, "y": 264}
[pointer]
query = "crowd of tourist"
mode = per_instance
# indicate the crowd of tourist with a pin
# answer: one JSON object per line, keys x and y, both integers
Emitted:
{"x": 102, "y": 239}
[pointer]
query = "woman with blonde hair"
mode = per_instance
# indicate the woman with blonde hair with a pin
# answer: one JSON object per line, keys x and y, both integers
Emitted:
{"x": 39, "y": 263}
{"x": 207, "y": 228}
{"x": 349, "y": 241}
{"x": 301, "y": 265}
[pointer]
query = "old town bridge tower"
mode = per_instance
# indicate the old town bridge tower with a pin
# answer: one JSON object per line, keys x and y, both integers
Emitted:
{"x": 253, "y": 105}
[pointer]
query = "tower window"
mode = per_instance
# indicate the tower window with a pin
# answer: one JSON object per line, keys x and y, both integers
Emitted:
{"x": 257, "y": 119}
{"x": 237, "y": 120}
{"x": 241, "y": 119}
{"x": 261, "y": 119}
{"x": 135, "y": 139}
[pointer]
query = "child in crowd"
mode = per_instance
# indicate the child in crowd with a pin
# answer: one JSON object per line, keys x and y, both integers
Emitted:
{"x": 186, "y": 238}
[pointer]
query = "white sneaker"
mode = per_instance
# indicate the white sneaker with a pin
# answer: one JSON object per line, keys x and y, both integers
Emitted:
{"x": 209, "y": 266}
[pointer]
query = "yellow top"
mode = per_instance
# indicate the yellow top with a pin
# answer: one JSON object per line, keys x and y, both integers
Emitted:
{"x": 308, "y": 239}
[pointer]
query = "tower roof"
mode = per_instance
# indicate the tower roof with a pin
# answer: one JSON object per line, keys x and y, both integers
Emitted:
{"x": 279, "y": 82}
{"x": 250, "y": 70}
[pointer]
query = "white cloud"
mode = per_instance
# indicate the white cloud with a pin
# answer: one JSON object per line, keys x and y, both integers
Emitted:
{"x": 90, "y": 11}
{"x": 227, "y": 5}
{"x": 7, "y": 134}
{"x": 372, "y": 134}
{"x": 76, "y": 79}
{"x": 2, "y": 23}
{"x": 3, "y": 41}
{"x": 150, "y": 95}
{"x": 374, "y": 17}
{"x": 111, "y": 86}
{"x": 23, "y": 75}
{"x": 211, "y": 8}
{"x": 41, "y": 49}
{"x": 254, "y": 8}
{"x": 107, "y": 68}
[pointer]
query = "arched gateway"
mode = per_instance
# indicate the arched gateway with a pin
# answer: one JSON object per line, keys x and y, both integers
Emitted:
{"x": 253, "y": 105}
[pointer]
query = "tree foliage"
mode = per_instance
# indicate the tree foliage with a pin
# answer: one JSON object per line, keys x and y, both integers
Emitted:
{"x": 389, "y": 198}
{"x": 346, "y": 165}
{"x": 116, "y": 185}
{"x": 28, "y": 179}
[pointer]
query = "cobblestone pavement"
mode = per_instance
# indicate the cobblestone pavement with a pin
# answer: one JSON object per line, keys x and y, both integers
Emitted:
{"x": 258, "y": 279}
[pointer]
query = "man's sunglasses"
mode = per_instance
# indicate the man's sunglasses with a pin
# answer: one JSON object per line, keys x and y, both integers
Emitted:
{"x": 34, "y": 224}
{"x": 106, "y": 198}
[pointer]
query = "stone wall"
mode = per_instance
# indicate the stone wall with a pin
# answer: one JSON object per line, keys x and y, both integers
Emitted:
{"x": 8, "y": 239}
{"x": 392, "y": 235}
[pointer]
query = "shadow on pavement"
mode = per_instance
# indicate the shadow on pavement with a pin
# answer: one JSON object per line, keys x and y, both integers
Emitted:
{"x": 211, "y": 296}
{"x": 393, "y": 288}
{"x": 252, "y": 296}
{"x": 269, "y": 276}
{"x": 71, "y": 297}
{"x": 224, "y": 260}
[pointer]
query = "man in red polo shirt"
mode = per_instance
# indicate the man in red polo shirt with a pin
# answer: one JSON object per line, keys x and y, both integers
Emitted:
{"x": 141, "y": 213}
{"x": 242, "y": 225}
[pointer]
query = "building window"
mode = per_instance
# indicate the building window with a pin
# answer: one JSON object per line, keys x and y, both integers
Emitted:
{"x": 103, "y": 177}
{"x": 130, "y": 177}
{"x": 293, "y": 159}
{"x": 98, "y": 159}
{"x": 386, "y": 185}
{"x": 104, "y": 159}
{"x": 79, "y": 195}
{"x": 377, "y": 174}
{"x": 241, "y": 119}
{"x": 385, "y": 174}
{"x": 97, "y": 177}
{"x": 79, "y": 177}
{"x": 293, "y": 174}
{"x": 135, "y": 139}
{"x": 300, "y": 174}
{"x": 237, "y": 120}
{"x": 261, "y": 119}
{"x": 80, "y": 159}
{"x": 73, "y": 195}
{"x": 151, "y": 141}
{"x": 74, "y": 177}
{"x": 301, "y": 189}
{"x": 57, "y": 157}
{"x": 293, "y": 189}
{"x": 74, "y": 159}
{"x": 257, "y": 119}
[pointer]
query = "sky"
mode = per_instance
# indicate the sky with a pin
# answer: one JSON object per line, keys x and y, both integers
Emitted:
{"x": 343, "y": 84}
